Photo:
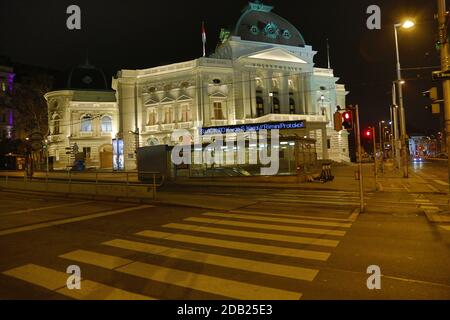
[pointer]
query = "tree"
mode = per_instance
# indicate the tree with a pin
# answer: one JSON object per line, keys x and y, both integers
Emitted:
{"x": 30, "y": 106}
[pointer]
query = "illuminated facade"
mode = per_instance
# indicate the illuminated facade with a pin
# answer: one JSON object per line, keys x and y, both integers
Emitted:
{"x": 263, "y": 71}
{"x": 85, "y": 114}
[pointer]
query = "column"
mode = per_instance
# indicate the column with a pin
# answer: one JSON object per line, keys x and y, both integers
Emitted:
{"x": 268, "y": 89}
{"x": 127, "y": 120}
{"x": 324, "y": 135}
{"x": 252, "y": 95}
{"x": 284, "y": 93}
{"x": 300, "y": 94}
{"x": 309, "y": 107}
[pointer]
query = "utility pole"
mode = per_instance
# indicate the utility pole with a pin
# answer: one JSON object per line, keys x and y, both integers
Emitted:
{"x": 443, "y": 37}
{"x": 375, "y": 156}
{"x": 403, "y": 135}
{"x": 360, "y": 173}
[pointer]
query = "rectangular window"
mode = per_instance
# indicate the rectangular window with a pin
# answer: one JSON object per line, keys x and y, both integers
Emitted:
{"x": 218, "y": 112}
{"x": 185, "y": 113}
{"x": 87, "y": 152}
{"x": 329, "y": 143}
{"x": 152, "y": 117}
{"x": 168, "y": 115}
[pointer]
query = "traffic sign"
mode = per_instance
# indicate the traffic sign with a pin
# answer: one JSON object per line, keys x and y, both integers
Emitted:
{"x": 441, "y": 75}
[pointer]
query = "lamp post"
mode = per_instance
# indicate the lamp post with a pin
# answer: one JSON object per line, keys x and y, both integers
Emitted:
{"x": 408, "y": 24}
{"x": 380, "y": 126}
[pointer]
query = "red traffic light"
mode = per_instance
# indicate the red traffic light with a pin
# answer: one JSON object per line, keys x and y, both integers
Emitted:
{"x": 347, "y": 116}
{"x": 368, "y": 133}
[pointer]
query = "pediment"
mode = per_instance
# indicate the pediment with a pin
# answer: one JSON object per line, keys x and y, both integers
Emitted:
{"x": 218, "y": 95}
{"x": 276, "y": 54}
{"x": 167, "y": 100}
{"x": 184, "y": 98}
{"x": 150, "y": 102}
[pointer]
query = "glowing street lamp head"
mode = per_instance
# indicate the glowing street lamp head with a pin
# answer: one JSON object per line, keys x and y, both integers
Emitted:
{"x": 408, "y": 24}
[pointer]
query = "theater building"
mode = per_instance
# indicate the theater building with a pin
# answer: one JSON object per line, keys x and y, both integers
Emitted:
{"x": 84, "y": 113}
{"x": 263, "y": 71}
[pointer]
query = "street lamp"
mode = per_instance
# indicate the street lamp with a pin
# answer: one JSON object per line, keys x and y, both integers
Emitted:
{"x": 408, "y": 24}
{"x": 380, "y": 126}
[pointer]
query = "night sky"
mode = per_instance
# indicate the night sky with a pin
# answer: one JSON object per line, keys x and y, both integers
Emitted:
{"x": 142, "y": 34}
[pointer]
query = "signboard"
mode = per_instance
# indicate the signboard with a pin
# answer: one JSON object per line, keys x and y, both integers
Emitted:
{"x": 441, "y": 75}
{"x": 118, "y": 157}
{"x": 255, "y": 127}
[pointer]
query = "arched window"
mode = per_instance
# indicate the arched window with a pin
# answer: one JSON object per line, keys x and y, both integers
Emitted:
{"x": 291, "y": 106}
{"x": 259, "y": 107}
{"x": 86, "y": 123}
{"x": 107, "y": 124}
{"x": 276, "y": 106}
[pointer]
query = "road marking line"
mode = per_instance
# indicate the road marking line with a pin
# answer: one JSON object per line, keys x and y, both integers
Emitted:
{"x": 355, "y": 214}
{"x": 432, "y": 188}
{"x": 281, "y": 220}
{"x": 305, "y": 196}
{"x": 406, "y": 187}
{"x": 446, "y": 228}
{"x": 338, "y": 233}
{"x": 273, "y": 269}
{"x": 102, "y": 260}
{"x": 289, "y": 215}
{"x": 442, "y": 183}
{"x": 430, "y": 207}
{"x": 57, "y": 281}
{"x": 306, "y": 201}
{"x": 45, "y": 208}
{"x": 227, "y": 244}
{"x": 254, "y": 235}
{"x": 210, "y": 284}
{"x": 70, "y": 220}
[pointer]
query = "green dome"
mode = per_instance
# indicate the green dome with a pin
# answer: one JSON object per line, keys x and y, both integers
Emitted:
{"x": 258, "y": 23}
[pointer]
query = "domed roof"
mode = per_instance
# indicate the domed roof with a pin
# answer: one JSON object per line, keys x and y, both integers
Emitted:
{"x": 87, "y": 77}
{"x": 259, "y": 23}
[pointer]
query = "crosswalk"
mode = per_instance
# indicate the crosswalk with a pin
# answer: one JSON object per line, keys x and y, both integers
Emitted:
{"x": 235, "y": 255}
{"x": 322, "y": 197}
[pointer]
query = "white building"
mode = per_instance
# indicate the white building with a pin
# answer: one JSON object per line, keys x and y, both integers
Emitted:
{"x": 263, "y": 71}
{"x": 85, "y": 114}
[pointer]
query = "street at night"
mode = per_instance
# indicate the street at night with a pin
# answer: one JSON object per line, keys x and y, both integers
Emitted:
{"x": 257, "y": 159}
{"x": 269, "y": 244}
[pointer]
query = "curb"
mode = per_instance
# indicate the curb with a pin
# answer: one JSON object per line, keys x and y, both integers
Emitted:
{"x": 107, "y": 198}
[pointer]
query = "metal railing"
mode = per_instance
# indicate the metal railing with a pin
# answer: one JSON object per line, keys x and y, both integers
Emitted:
{"x": 119, "y": 182}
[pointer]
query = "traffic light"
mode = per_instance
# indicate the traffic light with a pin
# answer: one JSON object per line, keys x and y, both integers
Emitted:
{"x": 368, "y": 133}
{"x": 347, "y": 123}
{"x": 431, "y": 94}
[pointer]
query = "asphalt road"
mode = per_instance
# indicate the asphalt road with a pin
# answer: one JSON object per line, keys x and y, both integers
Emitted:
{"x": 284, "y": 244}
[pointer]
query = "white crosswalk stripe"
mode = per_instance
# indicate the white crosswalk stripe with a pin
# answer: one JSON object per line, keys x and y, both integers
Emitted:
{"x": 281, "y": 220}
{"x": 57, "y": 281}
{"x": 254, "y": 235}
{"x": 296, "y": 229}
{"x": 236, "y": 245}
{"x": 271, "y": 235}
